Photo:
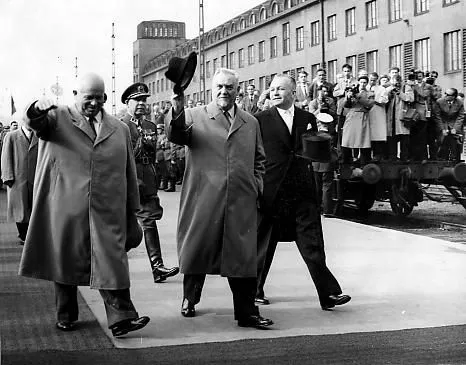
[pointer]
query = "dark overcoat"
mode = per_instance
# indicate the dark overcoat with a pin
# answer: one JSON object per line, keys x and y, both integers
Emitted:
{"x": 84, "y": 189}
{"x": 19, "y": 157}
{"x": 217, "y": 223}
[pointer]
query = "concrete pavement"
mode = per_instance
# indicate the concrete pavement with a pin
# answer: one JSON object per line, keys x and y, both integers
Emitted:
{"x": 397, "y": 281}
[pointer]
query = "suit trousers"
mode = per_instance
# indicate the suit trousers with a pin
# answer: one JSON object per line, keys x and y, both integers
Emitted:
{"x": 118, "y": 304}
{"x": 310, "y": 242}
{"x": 243, "y": 290}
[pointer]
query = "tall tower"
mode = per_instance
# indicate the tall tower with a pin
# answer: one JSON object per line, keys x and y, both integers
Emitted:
{"x": 113, "y": 71}
{"x": 153, "y": 38}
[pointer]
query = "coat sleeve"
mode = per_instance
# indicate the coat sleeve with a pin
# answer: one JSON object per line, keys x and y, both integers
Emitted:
{"x": 7, "y": 163}
{"x": 259, "y": 161}
{"x": 41, "y": 122}
{"x": 177, "y": 129}
{"x": 436, "y": 112}
{"x": 132, "y": 192}
{"x": 459, "y": 119}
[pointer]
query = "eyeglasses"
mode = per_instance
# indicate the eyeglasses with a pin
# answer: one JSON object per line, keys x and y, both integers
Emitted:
{"x": 446, "y": 94}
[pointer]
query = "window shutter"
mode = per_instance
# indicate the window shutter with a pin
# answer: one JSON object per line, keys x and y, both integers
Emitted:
{"x": 408, "y": 58}
{"x": 464, "y": 58}
{"x": 361, "y": 62}
{"x": 293, "y": 73}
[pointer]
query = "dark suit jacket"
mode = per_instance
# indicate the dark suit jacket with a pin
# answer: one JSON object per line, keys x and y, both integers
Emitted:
{"x": 284, "y": 168}
{"x": 449, "y": 116}
{"x": 250, "y": 106}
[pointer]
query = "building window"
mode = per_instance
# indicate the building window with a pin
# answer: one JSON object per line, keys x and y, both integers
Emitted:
{"x": 161, "y": 85}
{"x": 214, "y": 65}
{"x": 207, "y": 69}
{"x": 332, "y": 71}
{"x": 261, "y": 51}
{"x": 241, "y": 58}
{"x": 232, "y": 60}
{"x": 350, "y": 21}
{"x": 394, "y": 9}
{"x": 332, "y": 27}
{"x": 242, "y": 24}
{"x": 452, "y": 49}
{"x": 251, "y": 82}
{"x": 353, "y": 61}
{"x": 286, "y": 38}
{"x": 394, "y": 56}
{"x": 421, "y": 6}
{"x": 450, "y": 2}
{"x": 422, "y": 54}
{"x": 273, "y": 47}
{"x": 263, "y": 14}
{"x": 158, "y": 85}
{"x": 261, "y": 83}
{"x": 232, "y": 28}
{"x": 274, "y": 9}
{"x": 251, "y": 54}
{"x": 252, "y": 19}
{"x": 299, "y": 38}
{"x": 371, "y": 14}
{"x": 287, "y": 4}
{"x": 315, "y": 33}
{"x": 223, "y": 61}
{"x": 371, "y": 61}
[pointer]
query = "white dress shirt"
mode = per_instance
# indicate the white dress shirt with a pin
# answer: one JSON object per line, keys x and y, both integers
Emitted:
{"x": 287, "y": 116}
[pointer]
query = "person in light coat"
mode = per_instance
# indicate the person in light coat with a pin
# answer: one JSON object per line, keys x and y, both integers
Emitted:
{"x": 217, "y": 224}
{"x": 18, "y": 164}
{"x": 85, "y": 193}
{"x": 356, "y": 129}
{"x": 378, "y": 117}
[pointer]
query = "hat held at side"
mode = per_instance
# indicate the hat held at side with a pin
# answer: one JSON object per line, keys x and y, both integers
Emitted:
{"x": 317, "y": 146}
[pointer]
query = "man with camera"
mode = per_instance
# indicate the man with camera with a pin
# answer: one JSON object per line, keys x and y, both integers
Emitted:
{"x": 144, "y": 141}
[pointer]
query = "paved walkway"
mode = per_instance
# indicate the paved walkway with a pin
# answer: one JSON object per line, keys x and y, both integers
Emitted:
{"x": 397, "y": 281}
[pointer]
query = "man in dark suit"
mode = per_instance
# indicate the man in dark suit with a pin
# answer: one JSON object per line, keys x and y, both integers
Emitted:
{"x": 250, "y": 100}
{"x": 144, "y": 141}
{"x": 288, "y": 206}
{"x": 320, "y": 80}
{"x": 303, "y": 92}
{"x": 449, "y": 117}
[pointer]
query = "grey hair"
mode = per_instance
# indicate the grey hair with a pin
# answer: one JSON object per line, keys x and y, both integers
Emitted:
{"x": 291, "y": 79}
{"x": 223, "y": 70}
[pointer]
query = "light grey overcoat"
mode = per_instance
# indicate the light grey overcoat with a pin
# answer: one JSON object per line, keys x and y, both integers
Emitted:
{"x": 217, "y": 223}
{"x": 19, "y": 158}
{"x": 83, "y": 191}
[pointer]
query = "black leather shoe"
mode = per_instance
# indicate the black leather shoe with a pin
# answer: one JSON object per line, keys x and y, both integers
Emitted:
{"x": 261, "y": 301}
{"x": 161, "y": 273}
{"x": 65, "y": 326}
{"x": 129, "y": 325}
{"x": 187, "y": 309}
{"x": 334, "y": 300}
{"x": 255, "y": 321}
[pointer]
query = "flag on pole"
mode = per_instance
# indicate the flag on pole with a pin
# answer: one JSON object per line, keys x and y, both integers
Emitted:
{"x": 13, "y": 108}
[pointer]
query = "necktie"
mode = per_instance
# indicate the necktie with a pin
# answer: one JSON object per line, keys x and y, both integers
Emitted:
{"x": 91, "y": 123}
{"x": 227, "y": 115}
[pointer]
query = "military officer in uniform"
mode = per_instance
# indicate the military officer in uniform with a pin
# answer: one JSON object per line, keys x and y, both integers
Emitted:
{"x": 144, "y": 140}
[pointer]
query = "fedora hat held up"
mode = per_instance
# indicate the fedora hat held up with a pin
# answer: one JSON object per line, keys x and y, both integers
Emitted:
{"x": 181, "y": 71}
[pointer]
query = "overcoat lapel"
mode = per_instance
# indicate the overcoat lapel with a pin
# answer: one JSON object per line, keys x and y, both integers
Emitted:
{"x": 34, "y": 140}
{"x": 80, "y": 122}
{"x": 237, "y": 123}
{"x": 106, "y": 130}
{"x": 214, "y": 112}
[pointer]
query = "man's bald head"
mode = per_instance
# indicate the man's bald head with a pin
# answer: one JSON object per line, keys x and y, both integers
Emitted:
{"x": 90, "y": 96}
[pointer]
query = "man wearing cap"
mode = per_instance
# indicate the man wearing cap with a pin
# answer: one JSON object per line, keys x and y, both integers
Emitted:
{"x": 217, "y": 232}
{"x": 288, "y": 206}
{"x": 144, "y": 141}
